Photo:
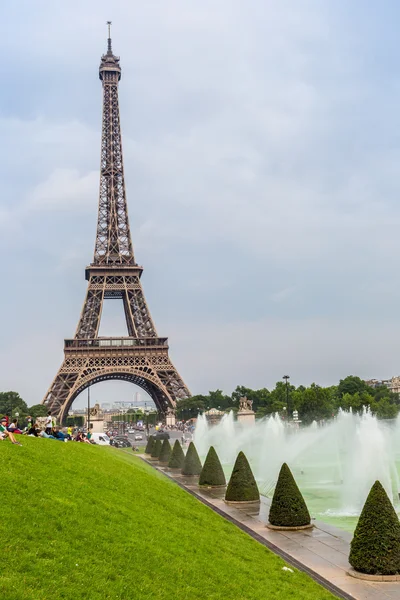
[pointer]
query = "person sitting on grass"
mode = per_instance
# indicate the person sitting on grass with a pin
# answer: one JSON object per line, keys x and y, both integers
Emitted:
{"x": 34, "y": 430}
{"x": 43, "y": 434}
{"x": 59, "y": 435}
{"x": 13, "y": 427}
{"x": 7, "y": 434}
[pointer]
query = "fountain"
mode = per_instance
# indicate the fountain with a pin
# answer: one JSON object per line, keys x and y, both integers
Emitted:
{"x": 335, "y": 463}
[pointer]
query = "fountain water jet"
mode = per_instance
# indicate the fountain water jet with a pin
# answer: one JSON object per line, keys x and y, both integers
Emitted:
{"x": 335, "y": 463}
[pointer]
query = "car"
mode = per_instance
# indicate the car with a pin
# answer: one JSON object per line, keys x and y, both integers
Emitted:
{"x": 101, "y": 439}
{"x": 161, "y": 435}
{"x": 131, "y": 431}
{"x": 120, "y": 442}
{"x": 138, "y": 437}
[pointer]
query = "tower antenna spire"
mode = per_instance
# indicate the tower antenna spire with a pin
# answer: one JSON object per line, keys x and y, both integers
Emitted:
{"x": 109, "y": 23}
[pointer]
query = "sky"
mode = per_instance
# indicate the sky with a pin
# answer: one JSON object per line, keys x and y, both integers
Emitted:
{"x": 261, "y": 148}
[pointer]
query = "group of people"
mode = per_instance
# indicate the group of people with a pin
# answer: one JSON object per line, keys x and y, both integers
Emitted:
{"x": 51, "y": 431}
{"x": 7, "y": 432}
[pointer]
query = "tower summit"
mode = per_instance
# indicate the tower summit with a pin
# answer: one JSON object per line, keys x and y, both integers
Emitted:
{"x": 141, "y": 357}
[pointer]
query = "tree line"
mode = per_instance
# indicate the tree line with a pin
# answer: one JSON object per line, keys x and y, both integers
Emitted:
{"x": 312, "y": 403}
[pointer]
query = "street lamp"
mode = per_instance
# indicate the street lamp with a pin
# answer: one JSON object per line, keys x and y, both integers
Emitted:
{"x": 286, "y": 378}
{"x": 88, "y": 409}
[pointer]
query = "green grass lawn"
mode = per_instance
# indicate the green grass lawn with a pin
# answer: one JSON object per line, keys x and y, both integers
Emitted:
{"x": 93, "y": 522}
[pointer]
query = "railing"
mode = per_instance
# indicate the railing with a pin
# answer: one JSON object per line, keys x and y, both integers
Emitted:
{"x": 122, "y": 342}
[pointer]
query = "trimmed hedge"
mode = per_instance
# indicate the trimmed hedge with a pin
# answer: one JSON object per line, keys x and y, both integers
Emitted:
{"x": 156, "y": 449}
{"x": 242, "y": 486}
{"x": 177, "y": 456}
{"x": 165, "y": 451}
{"x": 150, "y": 445}
{"x": 192, "y": 464}
{"x": 288, "y": 508}
{"x": 212, "y": 472}
{"x": 375, "y": 547}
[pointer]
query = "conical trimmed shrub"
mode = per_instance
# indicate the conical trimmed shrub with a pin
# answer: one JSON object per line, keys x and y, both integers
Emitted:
{"x": 242, "y": 486}
{"x": 165, "y": 451}
{"x": 375, "y": 547}
{"x": 177, "y": 457}
{"x": 212, "y": 473}
{"x": 156, "y": 449}
{"x": 288, "y": 508}
{"x": 150, "y": 445}
{"x": 192, "y": 464}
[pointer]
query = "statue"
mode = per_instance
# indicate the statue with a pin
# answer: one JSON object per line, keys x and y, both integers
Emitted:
{"x": 96, "y": 411}
{"x": 245, "y": 404}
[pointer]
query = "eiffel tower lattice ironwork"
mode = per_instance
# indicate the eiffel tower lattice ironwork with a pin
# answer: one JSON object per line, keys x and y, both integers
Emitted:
{"x": 141, "y": 357}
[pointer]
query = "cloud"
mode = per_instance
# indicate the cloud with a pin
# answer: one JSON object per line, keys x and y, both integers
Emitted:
{"x": 65, "y": 189}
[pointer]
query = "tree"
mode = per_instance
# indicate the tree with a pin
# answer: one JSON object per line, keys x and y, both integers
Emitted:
{"x": 165, "y": 452}
{"x": 150, "y": 445}
{"x": 278, "y": 397}
{"x": 191, "y": 407}
{"x": 75, "y": 421}
{"x": 37, "y": 410}
{"x": 177, "y": 457}
{"x": 375, "y": 547}
{"x": 192, "y": 464}
{"x": 313, "y": 403}
{"x": 218, "y": 399}
{"x": 352, "y": 385}
{"x": 242, "y": 486}
{"x": 212, "y": 473}
{"x": 288, "y": 508}
{"x": 11, "y": 402}
{"x": 383, "y": 409}
{"x": 156, "y": 449}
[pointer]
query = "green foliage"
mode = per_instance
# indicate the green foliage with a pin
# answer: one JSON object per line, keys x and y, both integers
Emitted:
{"x": 312, "y": 403}
{"x": 75, "y": 421}
{"x": 177, "y": 456}
{"x": 151, "y": 442}
{"x": 288, "y": 508}
{"x": 37, "y": 410}
{"x": 191, "y": 407}
{"x": 242, "y": 486}
{"x": 11, "y": 402}
{"x": 49, "y": 482}
{"x": 192, "y": 464}
{"x": 156, "y": 449}
{"x": 212, "y": 472}
{"x": 352, "y": 385}
{"x": 375, "y": 547}
{"x": 165, "y": 453}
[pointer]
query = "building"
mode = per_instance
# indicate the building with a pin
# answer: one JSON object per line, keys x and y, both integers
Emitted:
{"x": 393, "y": 384}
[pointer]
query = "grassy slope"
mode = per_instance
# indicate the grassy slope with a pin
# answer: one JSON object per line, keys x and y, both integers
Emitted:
{"x": 93, "y": 522}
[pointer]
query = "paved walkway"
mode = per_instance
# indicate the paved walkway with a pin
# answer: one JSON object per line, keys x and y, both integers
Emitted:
{"x": 322, "y": 552}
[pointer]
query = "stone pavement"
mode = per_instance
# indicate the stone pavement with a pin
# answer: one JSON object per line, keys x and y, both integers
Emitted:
{"x": 322, "y": 552}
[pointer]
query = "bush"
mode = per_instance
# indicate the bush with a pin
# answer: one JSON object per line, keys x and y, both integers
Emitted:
{"x": 150, "y": 445}
{"x": 192, "y": 464}
{"x": 375, "y": 547}
{"x": 212, "y": 473}
{"x": 156, "y": 449}
{"x": 177, "y": 457}
{"x": 288, "y": 508}
{"x": 242, "y": 486}
{"x": 165, "y": 451}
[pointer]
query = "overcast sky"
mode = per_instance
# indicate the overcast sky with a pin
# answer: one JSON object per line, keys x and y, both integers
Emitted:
{"x": 262, "y": 150}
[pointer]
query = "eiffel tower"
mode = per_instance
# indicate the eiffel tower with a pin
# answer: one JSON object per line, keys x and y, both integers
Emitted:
{"x": 141, "y": 357}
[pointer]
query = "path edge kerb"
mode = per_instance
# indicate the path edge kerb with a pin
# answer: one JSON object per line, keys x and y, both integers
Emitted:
{"x": 281, "y": 553}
